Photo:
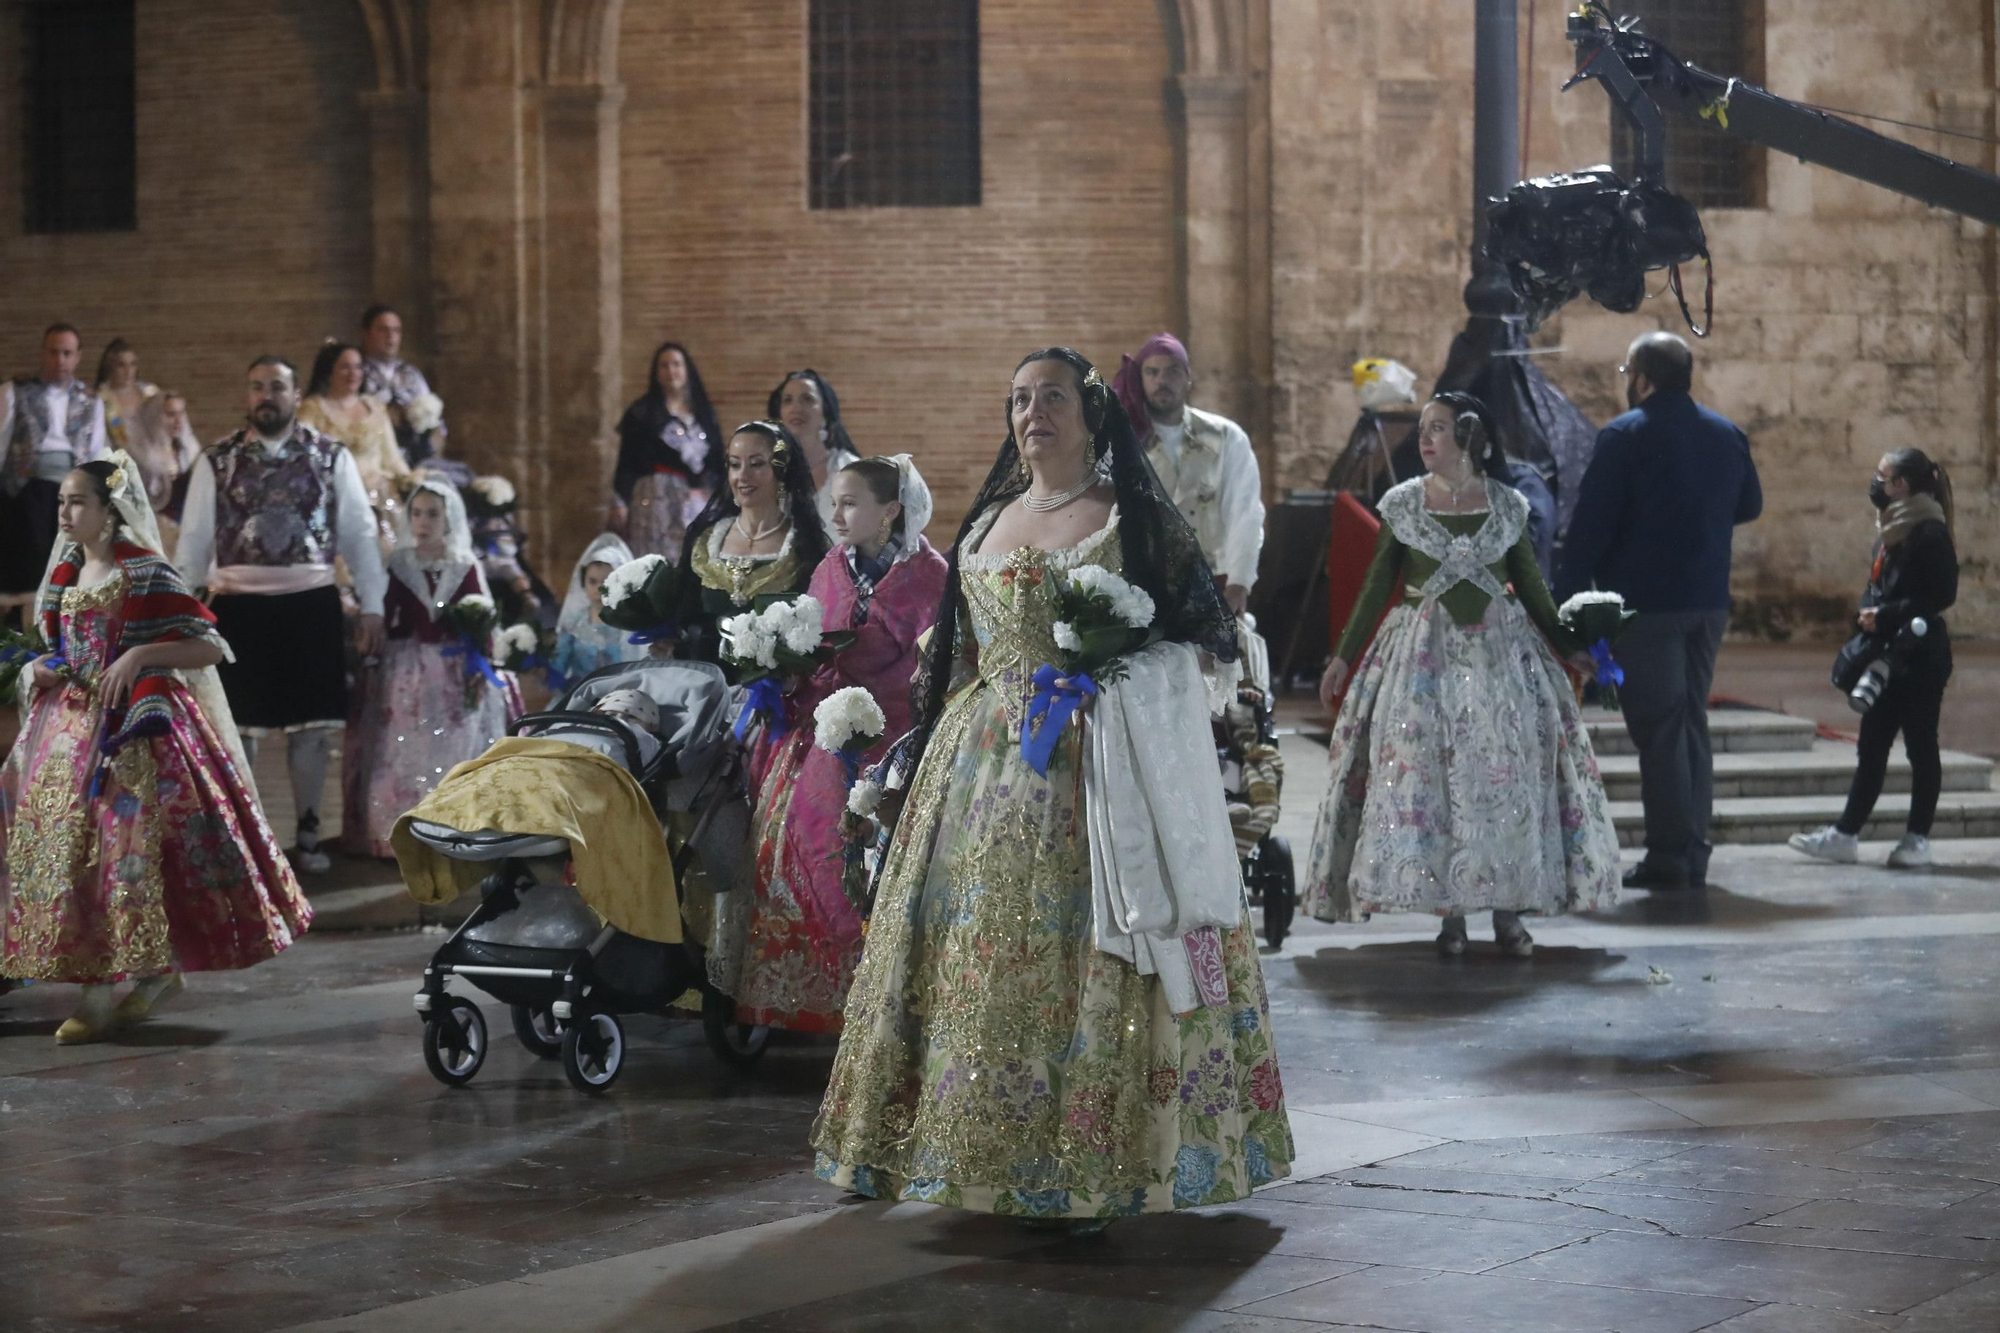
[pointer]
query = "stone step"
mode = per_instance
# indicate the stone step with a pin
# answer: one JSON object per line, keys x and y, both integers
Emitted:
{"x": 1730, "y": 731}
{"x": 1824, "y": 769}
{"x": 1768, "y": 819}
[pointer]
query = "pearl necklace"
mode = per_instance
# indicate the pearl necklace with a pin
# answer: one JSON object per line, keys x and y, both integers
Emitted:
{"x": 1043, "y": 504}
{"x": 754, "y": 537}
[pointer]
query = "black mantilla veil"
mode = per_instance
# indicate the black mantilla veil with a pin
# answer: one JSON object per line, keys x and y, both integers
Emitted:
{"x": 801, "y": 500}
{"x": 1160, "y": 549}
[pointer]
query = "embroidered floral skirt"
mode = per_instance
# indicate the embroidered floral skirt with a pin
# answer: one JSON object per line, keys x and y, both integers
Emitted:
{"x": 411, "y": 725}
{"x": 1462, "y": 778}
{"x": 786, "y": 948}
{"x": 992, "y": 1058}
{"x": 169, "y": 864}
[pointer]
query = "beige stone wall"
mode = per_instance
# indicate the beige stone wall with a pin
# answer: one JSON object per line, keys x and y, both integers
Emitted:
{"x": 253, "y": 213}
{"x": 1849, "y": 320}
{"x": 916, "y": 316}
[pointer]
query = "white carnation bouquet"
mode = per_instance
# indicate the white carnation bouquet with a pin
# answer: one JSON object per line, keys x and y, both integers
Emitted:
{"x": 472, "y": 619}
{"x": 1100, "y": 619}
{"x": 627, "y": 581}
{"x": 786, "y": 639}
{"x": 847, "y": 724}
{"x": 1598, "y": 618}
{"x": 424, "y": 413}
{"x": 496, "y": 491}
{"x": 518, "y": 645}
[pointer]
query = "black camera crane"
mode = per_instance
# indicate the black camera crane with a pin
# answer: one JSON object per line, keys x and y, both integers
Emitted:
{"x": 1562, "y": 236}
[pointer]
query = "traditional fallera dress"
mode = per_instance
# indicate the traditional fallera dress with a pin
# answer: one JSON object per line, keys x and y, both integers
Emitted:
{"x": 663, "y": 476}
{"x": 151, "y": 856}
{"x": 412, "y": 723}
{"x": 993, "y": 1058}
{"x": 787, "y": 950}
{"x": 1463, "y": 778}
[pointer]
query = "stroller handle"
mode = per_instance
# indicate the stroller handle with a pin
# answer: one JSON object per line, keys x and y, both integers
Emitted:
{"x": 528, "y": 723}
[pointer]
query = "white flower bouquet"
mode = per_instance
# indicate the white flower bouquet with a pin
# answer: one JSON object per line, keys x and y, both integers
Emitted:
{"x": 1100, "y": 619}
{"x": 517, "y": 645}
{"x": 847, "y": 724}
{"x": 785, "y": 639}
{"x": 496, "y": 491}
{"x": 1598, "y": 618}
{"x": 642, "y": 597}
{"x": 472, "y": 619}
{"x": 424, "y": 413}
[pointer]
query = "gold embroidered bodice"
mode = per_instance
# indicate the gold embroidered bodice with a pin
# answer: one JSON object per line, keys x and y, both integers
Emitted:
{"x": 89, "y": 618}
{"x": 1010, "y": 603}
{"x": 744, "y": 578}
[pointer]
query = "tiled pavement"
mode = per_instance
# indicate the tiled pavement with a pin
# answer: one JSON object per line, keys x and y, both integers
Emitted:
{"x": 1770, "y": 1108}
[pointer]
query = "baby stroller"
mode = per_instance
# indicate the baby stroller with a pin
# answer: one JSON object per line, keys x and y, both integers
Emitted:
{"x": 534, "y": 944}
{"x": 1246, "y": 743}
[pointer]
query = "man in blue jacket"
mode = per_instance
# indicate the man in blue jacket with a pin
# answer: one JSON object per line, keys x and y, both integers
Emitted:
{"x": 1654, "y": 516}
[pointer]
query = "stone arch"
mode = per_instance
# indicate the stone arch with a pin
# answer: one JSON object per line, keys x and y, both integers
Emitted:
{"x": 580, "y": 42}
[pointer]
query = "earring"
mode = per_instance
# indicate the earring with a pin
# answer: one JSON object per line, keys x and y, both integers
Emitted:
{"x": 888, "y": 531}
{"x": 1021, "y": 472}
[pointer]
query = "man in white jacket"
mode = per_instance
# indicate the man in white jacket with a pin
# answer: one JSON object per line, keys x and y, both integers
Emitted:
{"x": 1204, "y": 460}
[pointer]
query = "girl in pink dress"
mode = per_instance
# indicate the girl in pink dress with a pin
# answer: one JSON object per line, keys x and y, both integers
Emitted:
{"x": 133, "y": 842}
{"x": 418, "y": 714}
{"x": 788, "y": 953}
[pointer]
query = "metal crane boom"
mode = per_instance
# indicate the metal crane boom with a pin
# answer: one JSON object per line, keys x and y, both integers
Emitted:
{"x": 1643, "y": 77}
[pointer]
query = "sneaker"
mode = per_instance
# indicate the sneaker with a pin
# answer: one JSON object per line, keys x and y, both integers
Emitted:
{"x": 1912, "y": 853}
{"x": 1827, "y": 844}
{"x": 305, "y": 846}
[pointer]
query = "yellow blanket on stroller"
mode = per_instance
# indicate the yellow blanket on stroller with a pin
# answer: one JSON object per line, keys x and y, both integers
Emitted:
{"x": 523, "y": 784}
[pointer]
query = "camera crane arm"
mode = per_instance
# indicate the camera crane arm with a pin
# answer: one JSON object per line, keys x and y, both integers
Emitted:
{"x": 1644, "y": 78}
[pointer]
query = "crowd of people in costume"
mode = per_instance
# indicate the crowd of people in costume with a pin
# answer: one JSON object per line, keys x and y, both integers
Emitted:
{"x": 1030, "y": 937}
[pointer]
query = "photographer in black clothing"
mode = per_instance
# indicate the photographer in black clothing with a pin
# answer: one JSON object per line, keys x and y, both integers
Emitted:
{"x": 1914, "y": 576}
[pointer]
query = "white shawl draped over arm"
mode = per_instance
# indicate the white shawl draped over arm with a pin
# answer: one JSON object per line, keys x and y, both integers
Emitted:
{"x": 1163, "y": 871}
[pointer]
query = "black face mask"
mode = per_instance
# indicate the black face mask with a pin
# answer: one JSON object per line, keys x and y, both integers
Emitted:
{"x": 1878, "y": 492}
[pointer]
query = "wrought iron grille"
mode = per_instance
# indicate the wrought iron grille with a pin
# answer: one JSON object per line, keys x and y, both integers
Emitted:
{"x": 1710, "y": 168}
{"x": 894, "y": 103}
{"x": 79, "y": 116}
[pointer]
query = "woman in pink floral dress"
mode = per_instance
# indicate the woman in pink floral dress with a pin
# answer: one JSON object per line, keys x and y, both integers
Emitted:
{"x": 787, "y": 950}
{"x": 133, "y": 843}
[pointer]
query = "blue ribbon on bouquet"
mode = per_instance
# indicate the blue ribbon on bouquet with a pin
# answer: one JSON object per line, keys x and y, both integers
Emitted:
{"x": 1049, "y": 712}
{"x": 556, "y": 680}
{"x": 664, "y": 630}
{"x": 1609, "y": 673}
{"x": 766, "y": 696}
{"x": 475, "y": 661}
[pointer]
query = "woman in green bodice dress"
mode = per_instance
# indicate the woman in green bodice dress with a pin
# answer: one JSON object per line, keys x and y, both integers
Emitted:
{"x": 758, "y": 540}
{"x": 1463, "y": 779}
{"x": 1002, "y": 1049}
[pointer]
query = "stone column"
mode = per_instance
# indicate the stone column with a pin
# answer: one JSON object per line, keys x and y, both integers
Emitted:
{"x": 479, "y": 159}
{"x": 583, "y": 322}
{"x": 1218, "y": 332}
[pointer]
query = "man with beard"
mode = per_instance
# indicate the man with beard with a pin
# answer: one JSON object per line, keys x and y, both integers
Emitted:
{"x": 48, "y": 425}
{"x": 1655, "y": 513}
{"x": 268, "y": 510}
{"x": 397, "y": 383}
{"x": 1204, "y": 460}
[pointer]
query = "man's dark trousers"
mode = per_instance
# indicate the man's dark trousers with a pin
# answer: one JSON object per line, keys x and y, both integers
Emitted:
{"x": 1669, "y": 661}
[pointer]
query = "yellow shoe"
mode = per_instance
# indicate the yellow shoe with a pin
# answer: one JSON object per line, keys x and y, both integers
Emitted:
{"x": 135, "y": 1006}
{"x": 78, "y": 1031}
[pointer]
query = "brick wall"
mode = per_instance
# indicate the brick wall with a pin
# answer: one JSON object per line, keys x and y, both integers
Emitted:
{"x": 916, "y": 316}
{"x": 253, "y": 208}
{"x": 1850, "y": 320}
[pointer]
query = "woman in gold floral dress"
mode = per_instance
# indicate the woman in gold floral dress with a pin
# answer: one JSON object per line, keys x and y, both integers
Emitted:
{"x": 993, "y": 1058}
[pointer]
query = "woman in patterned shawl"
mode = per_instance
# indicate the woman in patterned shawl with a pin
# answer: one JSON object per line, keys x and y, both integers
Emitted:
{"x": 1005, "y": 1047}
{"x": 134, "y": 844}
{"x": 1463, "y": 779}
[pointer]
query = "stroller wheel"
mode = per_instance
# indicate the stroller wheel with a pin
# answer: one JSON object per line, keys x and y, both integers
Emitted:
{"x": 734, "y": 1043}
{"x": 1274, "y": 861}
{"x": 455, "y": 1042}
{"x": 593, "y": 1052}
{"x": 539, "y": 1030}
